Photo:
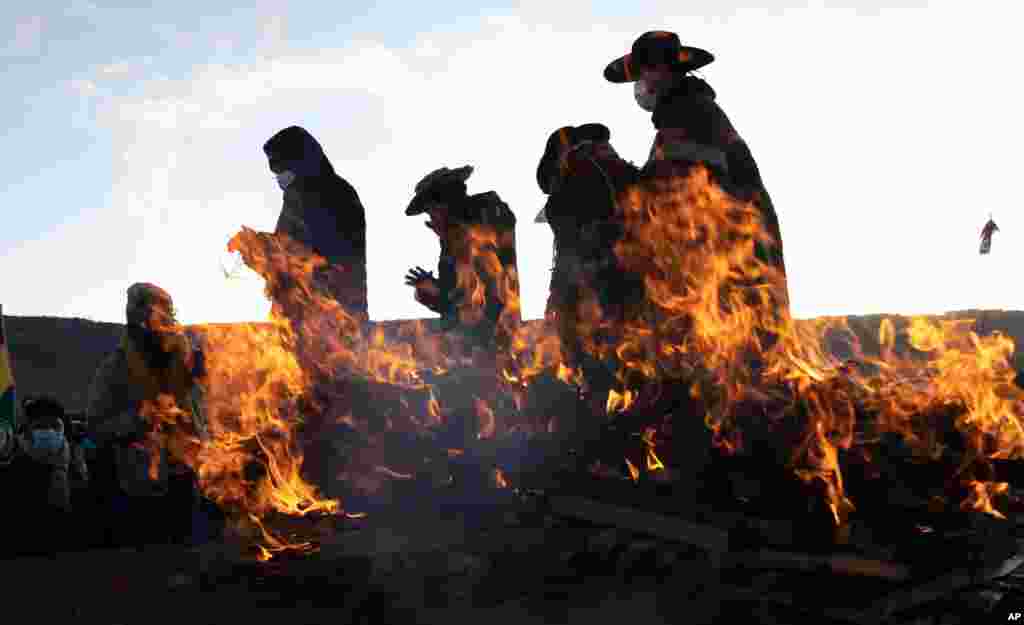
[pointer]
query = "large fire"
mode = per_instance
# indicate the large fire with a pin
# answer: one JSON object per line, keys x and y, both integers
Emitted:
{"x": 715, "y": 320}
{"x": 710, "y": 326}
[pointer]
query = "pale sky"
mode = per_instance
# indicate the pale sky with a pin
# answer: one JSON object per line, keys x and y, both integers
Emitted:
{"x": 885, "y": 133}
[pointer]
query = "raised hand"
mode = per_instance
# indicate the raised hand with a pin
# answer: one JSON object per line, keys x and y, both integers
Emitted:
{"x": 417, "y": 275}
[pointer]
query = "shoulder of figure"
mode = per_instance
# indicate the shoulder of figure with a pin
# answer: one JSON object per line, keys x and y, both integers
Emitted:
{"x": 490, "y": 208}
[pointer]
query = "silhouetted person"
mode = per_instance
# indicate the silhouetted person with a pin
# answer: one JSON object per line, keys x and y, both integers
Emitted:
{"x": 585, "y": 180}
{"x": 691, "y": 126}
{"x": 477, "y": 237}
{"x": 322, "y": 211}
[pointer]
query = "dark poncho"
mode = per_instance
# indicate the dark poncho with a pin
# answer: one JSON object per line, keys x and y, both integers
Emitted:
{"x": 323, "y": 211}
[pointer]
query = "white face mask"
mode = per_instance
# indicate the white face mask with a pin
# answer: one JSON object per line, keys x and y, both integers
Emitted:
{"x": 285, "y": 179}
{"x": 645, "y": 95}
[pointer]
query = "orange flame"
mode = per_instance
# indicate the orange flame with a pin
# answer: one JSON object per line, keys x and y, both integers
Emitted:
{"x": 713, "y": 320}
{"x": 499, "y": 478}
{"x": 980, "y": 497}
{"x": 619, "y": 402}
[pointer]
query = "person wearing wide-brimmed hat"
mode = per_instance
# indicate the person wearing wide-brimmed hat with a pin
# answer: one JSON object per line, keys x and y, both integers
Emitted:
{"x": 584, "y": 178}
{"x": 691, "y": 127}
{"x": 586, "y": 182}
{"x": 454, "y": 215}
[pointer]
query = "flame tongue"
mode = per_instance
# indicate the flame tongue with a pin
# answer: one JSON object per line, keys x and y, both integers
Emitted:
{"x": 980, "y": 496}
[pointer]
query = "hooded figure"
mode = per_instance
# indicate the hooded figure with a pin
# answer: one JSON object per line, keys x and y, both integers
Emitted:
{"x": 478, "y": 249}
{"x": 322, "y": 211}
{"x": 585, "y": 180}
{"x": 145, "y": 405}
{"x": 691, "y": 127}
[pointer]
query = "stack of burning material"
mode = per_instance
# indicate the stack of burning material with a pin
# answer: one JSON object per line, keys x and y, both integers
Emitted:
{"x": 778, "y": 540}
{"x": 884, "y": 566}
{"x": 708, "y": 363}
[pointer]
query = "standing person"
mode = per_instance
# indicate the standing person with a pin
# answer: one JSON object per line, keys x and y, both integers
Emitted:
{"x": 591, "y": 296}
{"x": 691, "y": 126}
{"x": 585, "y": 180}
{"x": 476, "y": 290}
{"x": 145, "y": 407}
{"x": 322, "y": 211}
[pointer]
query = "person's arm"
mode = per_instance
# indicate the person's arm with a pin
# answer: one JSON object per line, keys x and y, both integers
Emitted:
{"x": 78, "y": 462}
{"x": 106, "y": 415}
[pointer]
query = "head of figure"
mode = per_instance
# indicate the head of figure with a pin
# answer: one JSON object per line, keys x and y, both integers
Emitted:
{"x": 437, "y": 194}
{"x": 150, "y": 307}
{"x": 656, "y": 62}
{"x": 292, "y": 154}
{"x": 43, "y": 413}
{"x": 554, "y": 164}
{"x": 152, "y": 324}
{"x": 44, "y": 427}
{"x": 654, "y": 82}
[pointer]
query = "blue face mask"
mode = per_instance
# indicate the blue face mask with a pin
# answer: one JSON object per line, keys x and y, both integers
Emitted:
{"x": 47, "y": 440}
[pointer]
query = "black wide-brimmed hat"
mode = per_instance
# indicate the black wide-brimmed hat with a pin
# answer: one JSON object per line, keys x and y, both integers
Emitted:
{"x": 566, "y": 137}
{"x": 436, "y": 186}
{"x": 657, "y": 47}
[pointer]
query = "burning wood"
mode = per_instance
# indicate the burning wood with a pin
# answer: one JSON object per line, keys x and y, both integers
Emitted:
{"x": 836, "y": 564}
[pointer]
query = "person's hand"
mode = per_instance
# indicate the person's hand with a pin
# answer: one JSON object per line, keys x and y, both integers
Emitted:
{"x": 417, "y": 275}
{"x": 427, "y": 289}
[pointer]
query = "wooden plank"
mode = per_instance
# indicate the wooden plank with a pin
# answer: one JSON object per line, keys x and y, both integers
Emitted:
{"x": 936, "y": 589}
{"x": 641, "y": 522}
{"x": 841, "y": 564}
